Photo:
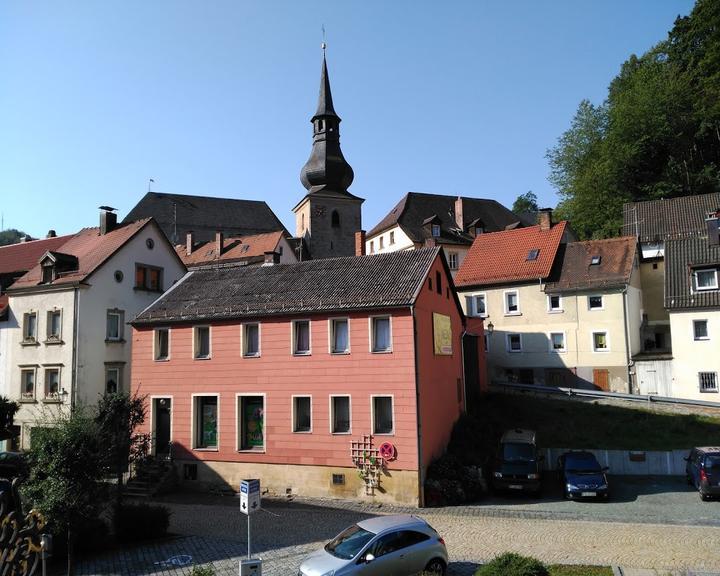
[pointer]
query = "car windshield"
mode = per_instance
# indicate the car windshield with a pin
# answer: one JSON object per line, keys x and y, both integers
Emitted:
{"x": 349, "y": 543}
{"x": 585, "y": 464}
{"x": 515, "y": 452}
{"x": 712, "y": 461}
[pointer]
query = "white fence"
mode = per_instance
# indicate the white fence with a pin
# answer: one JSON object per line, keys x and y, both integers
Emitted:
{"x": 631, "y": 462}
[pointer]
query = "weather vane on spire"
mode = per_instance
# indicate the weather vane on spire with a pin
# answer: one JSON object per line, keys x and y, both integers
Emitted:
{"x": 323, "y": 45}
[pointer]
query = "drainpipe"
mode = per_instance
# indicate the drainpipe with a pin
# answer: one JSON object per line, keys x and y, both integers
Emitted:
{"x": 421, "y": 468}
{"x": 462, "y": 360}
{"x": 627, "y": 340}
{"x": 76, "y": 341}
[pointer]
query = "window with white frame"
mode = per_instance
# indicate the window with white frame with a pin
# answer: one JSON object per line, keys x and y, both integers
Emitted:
{"x": 595, "y": 302}
{"x": 301, "y": 337}
{"x": 302, "y": 414}
{"x": 206, "y": 422}
{"x": 512, "y": 302}
{"x": 380, "y": 334}
{"x": 707, "y": 381}
{"x": 557, "y": 342}
{"x": 600, "y": 342}
{"x": 201, "y": 342}
{"x": 27, "y": 384}
{"x": 54, "y": 325}
{"x": 554, "y": 303}
{"x": 340, "y": 414}
{"x": 382, "y": 409}
{"x": 162, "y": 344}
{"x": 251, "y": 340}
{"x": 30, "y": 327}
{"x": 114, "y": 330}
{"x": 52, "y": 383}
{"x": 514, "y": 342}
{"x": 251, "y": 422}
{"x": 478, "y": 305}
{"x": 706, "y": 279}
{"x": 339, "y": 336}
{"x": 453, "y": 260}
{"x": 113, "y": 378}
{"x": 700, "y": 330}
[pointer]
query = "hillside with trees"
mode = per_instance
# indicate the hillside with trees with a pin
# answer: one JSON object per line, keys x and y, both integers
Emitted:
{"x": 657, "y": 135}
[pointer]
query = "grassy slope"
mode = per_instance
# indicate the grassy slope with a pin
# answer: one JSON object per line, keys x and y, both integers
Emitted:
{"x": 571, "y": 424}
{"x": 563, "y": 570}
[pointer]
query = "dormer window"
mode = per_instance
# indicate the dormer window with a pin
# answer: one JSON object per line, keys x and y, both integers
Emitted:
{"x": 47, "y": 272}
{"x": 595, "y": 260}
{"x": 435, "y": 230}
{"x": 533, "y": 254}
{"x": 706, "y": 279}
{"x": 479, "y": 230}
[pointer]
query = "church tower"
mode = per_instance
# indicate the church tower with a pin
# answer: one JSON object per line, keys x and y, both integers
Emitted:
{"x": 328, "y": 216}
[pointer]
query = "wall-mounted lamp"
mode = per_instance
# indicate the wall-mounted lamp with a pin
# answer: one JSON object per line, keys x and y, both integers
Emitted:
{"x": 490, "y": 328}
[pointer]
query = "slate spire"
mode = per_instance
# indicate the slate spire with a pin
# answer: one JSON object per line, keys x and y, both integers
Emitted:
{"x": 326, "y": 169}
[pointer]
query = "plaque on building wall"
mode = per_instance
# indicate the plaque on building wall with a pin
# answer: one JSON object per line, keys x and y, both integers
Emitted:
{"x": 442, "y": 334}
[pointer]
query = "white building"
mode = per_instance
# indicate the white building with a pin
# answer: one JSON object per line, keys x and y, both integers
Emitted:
{"x": 68, "y": 342}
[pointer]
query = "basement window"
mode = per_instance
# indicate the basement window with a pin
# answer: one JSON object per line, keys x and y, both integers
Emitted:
{"x": 595, "y": 260}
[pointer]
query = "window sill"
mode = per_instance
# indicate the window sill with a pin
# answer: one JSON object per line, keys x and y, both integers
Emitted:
{"x": 210, "y": 449}
{"x": 558, "y": 351}
{"x": 302, "y": 431}
{"x": 114, "y": 341}
{"x": 53, "y": 342}
{"x": 701, "y": 339}
{"x": 555, "y": 311}
{"x": 27, "y": 401}
{"x": 595, "y": 309}
{"x": 251, "y": 451}
{"x": 340, "y": 353}
{"x": 601, "y": 351}
{"x": 348, "y": 433}
{"x": 166, "y": 359}
{"x": 251, "y": 356}
{"x": 383, "y": 433}
{"x": 513, "y": 313}
{"x": 202, "y": 358}
{"x": 302, "y": 354}
{"x": 382, "y": 351}
{"x": 514, "y": 351}
{"x": 709, "y": 391}
{"x": 29, "y": 343}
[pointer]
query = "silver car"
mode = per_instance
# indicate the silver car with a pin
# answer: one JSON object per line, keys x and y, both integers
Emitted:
{"x": 399, "y": 545}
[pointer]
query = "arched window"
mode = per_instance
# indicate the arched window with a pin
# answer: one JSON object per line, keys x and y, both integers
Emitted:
{"x": 335, "y": 219}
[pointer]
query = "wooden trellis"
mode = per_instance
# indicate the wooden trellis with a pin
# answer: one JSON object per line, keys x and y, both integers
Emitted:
{"x": 368, "y": 461}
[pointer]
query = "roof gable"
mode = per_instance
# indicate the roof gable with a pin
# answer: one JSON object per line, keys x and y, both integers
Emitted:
{"x": 656, "y": 220}
{"x": 615, "y": 259}
{"x": 683, "y": 256}
{"x": 502, "y": 257}
{"x": 178, "y": 214}
{"x": 90, "y": 248}
{"x": 391, "y": 280}
{"x": 415, "y": 208}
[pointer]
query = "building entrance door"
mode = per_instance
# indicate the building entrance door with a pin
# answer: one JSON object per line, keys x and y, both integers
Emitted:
{"x": 161, "y": 433}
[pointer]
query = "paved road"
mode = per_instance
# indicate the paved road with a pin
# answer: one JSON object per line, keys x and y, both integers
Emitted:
{"x": 214, "y": 531}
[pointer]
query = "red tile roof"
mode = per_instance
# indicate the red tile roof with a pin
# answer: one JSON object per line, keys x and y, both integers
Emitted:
{"x": 500, "y": 257}
{"x": 90, "y": 248}
{"x": 23, "y": 256}
{"x": 238, "y": 248}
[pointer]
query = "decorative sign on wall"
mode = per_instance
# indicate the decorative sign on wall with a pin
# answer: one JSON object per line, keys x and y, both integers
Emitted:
{"x": 442, "y": 334}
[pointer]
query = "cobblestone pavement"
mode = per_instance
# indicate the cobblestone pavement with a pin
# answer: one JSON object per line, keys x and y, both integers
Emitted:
{"x": 211, "y": 530}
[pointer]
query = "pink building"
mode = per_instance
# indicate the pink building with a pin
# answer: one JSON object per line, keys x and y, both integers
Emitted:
{"x": 337, "y": 377}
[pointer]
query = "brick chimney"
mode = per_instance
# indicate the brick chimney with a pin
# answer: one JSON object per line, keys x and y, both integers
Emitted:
{"x": 271, "y": 258}
{"x": 360, "y": 243}
{"x": 189, "y": 242}
{"x": 459, "y": 213}
{"x": 544, "y": 218}
{"x": 219, "y": 237}
{"x": 108, "y": 220}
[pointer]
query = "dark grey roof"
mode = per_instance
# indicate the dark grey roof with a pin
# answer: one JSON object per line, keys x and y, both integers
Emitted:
{"x": 416, "y": 207}
{"x": 682, "y": 256}
{"x": 205, "y": 215}
{"x": 389, "y": 280}
{"x": 656, "y": 220}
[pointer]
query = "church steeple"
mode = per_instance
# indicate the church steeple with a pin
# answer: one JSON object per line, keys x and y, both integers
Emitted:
{"x": 326, "y": 169}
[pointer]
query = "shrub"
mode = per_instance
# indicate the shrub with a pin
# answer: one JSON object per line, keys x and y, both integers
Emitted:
{"x": 511, "y": 564}
{"x": 141, "y": 522}
{"x": 202, "y": 571}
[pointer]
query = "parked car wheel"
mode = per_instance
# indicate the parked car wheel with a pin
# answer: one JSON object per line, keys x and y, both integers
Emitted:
{"x": 704, "y": 497}
{"x": 435, "y": 567}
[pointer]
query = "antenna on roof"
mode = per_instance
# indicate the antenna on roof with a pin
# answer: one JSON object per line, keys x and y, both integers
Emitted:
{"x": 323, "y": 45}
{"x": 175, "y": 236}
{"x": 150, "y": 181}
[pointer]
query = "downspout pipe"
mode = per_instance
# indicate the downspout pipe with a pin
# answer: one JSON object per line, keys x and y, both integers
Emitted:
{"x": 627, "y": 341}
{"x": 421, "y": 467}
{"x": 76, "y": 342}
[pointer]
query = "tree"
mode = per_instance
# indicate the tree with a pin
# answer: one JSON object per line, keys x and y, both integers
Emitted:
{"x": 118, "y": 417}
{"x": 66, "y": 473}
{"x": 11, "y": 236}
{"x": 657, "y": 134}
{"x": 525, "y": 203}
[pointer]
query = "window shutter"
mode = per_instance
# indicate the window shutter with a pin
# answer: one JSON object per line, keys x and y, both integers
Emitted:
{"x": 469, "y": 306}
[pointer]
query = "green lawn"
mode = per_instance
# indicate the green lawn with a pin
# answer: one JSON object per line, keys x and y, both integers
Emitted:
{"x": 585, "y": 424}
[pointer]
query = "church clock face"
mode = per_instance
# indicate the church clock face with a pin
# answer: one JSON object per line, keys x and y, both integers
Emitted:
{"x": 319, "y": 210}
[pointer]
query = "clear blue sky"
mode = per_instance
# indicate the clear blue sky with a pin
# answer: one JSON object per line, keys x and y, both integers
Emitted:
{"x": 214, "y": 98}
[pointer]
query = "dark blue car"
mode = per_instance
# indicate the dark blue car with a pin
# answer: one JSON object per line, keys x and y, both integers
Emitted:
{"x": 582, "y": 476}
{"x": 703, "y": 471}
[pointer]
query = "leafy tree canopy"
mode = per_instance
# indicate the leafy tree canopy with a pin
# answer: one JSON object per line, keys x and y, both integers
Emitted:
{"x": 525, "y": 203}
{"x": 11, "y": 236}
{"x": 657, "y": 135}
